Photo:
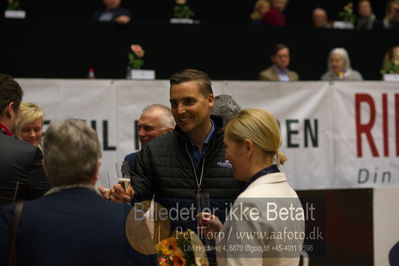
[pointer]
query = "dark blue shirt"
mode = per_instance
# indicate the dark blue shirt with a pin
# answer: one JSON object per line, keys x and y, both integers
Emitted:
{"x": 196, "y": 154}
{"x": 131, "y": 157}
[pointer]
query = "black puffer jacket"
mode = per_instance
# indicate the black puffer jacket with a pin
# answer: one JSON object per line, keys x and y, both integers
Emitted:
{"x": 164, "y": 168}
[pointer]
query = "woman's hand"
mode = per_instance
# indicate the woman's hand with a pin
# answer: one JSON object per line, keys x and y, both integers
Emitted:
{"x": 209, "y": 224}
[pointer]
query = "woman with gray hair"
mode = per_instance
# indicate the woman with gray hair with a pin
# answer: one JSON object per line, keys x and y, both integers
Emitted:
{"x": 226, "y": 107}
{"x": 72, "y": 224}
{"x": 339, "y": 67}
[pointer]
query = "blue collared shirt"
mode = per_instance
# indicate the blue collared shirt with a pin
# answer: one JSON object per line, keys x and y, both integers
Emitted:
{"x": 196, "y": 154}
{"x": 282, "y": 75}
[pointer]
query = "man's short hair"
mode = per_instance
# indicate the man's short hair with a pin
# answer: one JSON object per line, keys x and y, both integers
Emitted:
{"x": 167, "y": 119}
{"x": 277, "y": 48}
{"x": 200, "y": 77}
{"x": 71, "y": 149}
{"x": 10, "y": 91}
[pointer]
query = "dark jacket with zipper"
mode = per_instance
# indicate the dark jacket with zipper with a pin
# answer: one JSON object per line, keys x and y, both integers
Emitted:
{"x": 164, "y": 168}
{"x": 21, "y": 170}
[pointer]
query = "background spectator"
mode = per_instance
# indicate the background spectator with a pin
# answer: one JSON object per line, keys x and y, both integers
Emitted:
{"x": 391, "y": 19}
{"x": 155, "y": 120}
{"x": 30, "y": 124}
{"x": 260, "y": 9}
{"x": 366, "y": 17}
{"x": 339, "y": 67}
{"x": 391, "y": 61}
{"x": 225, "y": 107}
{"x": 280, "y": 58}
{"x": 275, "y": 16}
{"x": 113, "y": 12}
{"x": 320, "y": 18}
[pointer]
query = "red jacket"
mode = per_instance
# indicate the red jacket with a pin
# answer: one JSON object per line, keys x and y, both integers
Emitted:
{"x": 274, "y": 18}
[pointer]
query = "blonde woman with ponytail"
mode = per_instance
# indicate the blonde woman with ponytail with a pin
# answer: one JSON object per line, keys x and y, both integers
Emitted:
{"x": 252, "y": 141}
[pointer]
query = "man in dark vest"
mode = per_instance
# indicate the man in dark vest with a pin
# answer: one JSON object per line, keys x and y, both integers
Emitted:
{"x": 182, "y": 168}
{"x": 190, "y": 160}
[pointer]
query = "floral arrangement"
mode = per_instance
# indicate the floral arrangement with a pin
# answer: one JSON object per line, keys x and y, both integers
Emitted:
{"x": 390, "y": 68}
{"x": 136, "y": 56}
{"x": 347, "y": 13}
{"x": 341, "y": 75}
{"x": 182, "y": 10}
{"x": 13, "y": 5}
{"x": 174, "y": 252}
{"x": 182, "y": 249}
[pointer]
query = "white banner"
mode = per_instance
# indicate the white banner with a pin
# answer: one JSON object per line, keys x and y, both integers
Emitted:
{"x": 317, "y": 119}
{"x": 366, "y": 132}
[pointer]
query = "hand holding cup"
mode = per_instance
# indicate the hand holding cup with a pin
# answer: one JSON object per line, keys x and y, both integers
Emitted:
{"x": 209, "y": 224}
{"x": 123, "y": 191}
{"x": 120, "y": 195}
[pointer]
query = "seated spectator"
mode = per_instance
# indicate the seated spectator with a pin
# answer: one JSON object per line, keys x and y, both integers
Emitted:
{"x": 339, "y": 67}
{"x": 280, "y": 58}
{"x": 366, "y": 18}
{"x": 225, "y": 107}
{"x": 260, "y": 9}
{"x": 72, "y": 224}
{"x": 391, "y": 19}
{"x": 320, "y": 19}
{"x": 391, "y": 61}
{"x": 30, "y": 124}
{"x": 275, "y": 16}
{"x": 113, "y": 12}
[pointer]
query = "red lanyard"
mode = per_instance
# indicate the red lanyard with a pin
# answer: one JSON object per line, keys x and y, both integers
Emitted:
{"x": 5, "y": 130}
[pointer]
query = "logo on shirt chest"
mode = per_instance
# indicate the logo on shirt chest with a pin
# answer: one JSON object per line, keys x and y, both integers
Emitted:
{"x": 225, "y": 164}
